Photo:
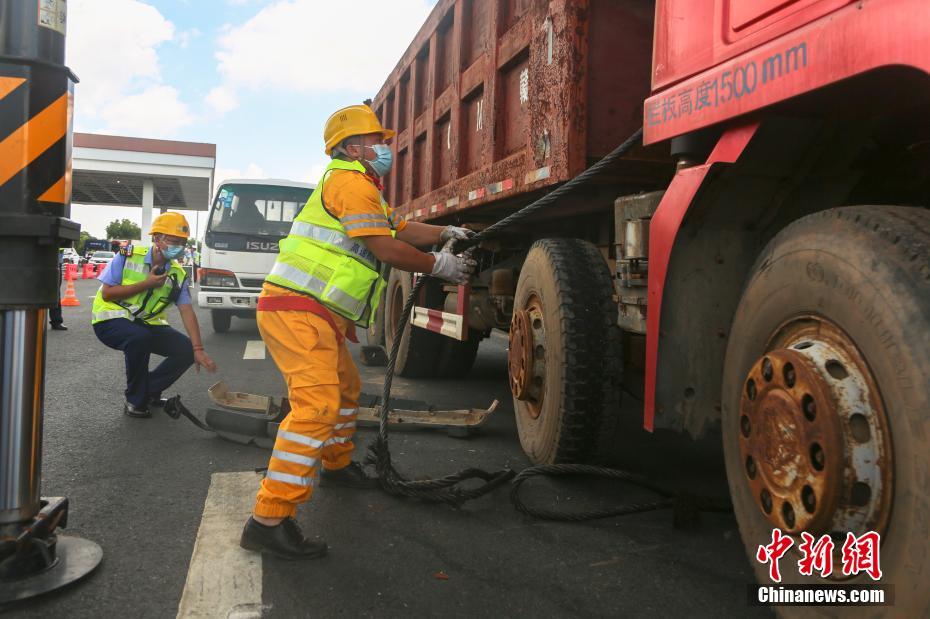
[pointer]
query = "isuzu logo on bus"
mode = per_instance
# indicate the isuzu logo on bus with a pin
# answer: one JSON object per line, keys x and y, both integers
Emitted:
{"x": 262, "y": 246}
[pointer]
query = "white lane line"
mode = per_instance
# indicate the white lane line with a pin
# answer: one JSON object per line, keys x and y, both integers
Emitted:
{"x": 254, "y": 349}
{"x": 223, "y": 579}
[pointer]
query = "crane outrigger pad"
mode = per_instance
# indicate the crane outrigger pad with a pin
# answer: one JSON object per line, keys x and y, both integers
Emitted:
{"x": 250, "y": 418}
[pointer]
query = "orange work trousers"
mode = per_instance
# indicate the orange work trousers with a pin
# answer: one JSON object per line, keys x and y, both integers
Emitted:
{"x": 323, "y": 386}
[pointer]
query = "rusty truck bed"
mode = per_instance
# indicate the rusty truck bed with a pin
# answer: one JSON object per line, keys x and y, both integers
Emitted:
{"x": 496, "y": 100}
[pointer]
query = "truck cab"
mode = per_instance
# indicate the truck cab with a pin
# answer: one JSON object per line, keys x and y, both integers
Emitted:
{"x": 248, "y": 219}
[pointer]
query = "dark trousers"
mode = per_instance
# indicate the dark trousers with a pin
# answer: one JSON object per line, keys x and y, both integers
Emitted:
{"x": 54, "y": 313}
{"x": 138, "y": 342}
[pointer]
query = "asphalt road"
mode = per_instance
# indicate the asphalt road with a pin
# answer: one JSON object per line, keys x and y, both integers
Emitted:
{"x": 138, "y": 488}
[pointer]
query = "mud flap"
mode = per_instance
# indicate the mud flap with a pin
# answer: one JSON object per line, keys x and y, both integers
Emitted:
{"x": 247, "y": 418}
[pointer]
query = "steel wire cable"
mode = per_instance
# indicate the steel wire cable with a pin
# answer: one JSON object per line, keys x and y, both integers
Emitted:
{"x": 447, "y": 489}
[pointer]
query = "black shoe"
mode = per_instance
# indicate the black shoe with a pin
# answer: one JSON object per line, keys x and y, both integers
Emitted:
{"x": 135, "y": 411}
{"x": 352, "y": 476}
{"x": 158, "y": 405}
{"x": 170, "y": 406}
{"x": 285, "y": 540}
{"x": 57, "y": 326}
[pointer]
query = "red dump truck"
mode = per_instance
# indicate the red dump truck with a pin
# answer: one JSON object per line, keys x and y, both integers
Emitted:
{"x": 758, "y": 269}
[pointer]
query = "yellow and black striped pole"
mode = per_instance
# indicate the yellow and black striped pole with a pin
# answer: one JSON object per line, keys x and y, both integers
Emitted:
{"x": 35, "y": 151}
{"x": 35, "y": 195}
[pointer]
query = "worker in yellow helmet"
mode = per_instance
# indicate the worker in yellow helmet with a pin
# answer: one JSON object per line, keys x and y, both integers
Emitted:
{"x": 130, "y": 315}
{"x": 327, "y": 279}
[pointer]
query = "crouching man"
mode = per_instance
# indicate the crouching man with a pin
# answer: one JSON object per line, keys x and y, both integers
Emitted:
{"x": 129, "y": 315}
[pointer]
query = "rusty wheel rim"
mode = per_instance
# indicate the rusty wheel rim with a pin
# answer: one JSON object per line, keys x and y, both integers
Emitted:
{"x": 527, "y": 356}
{"x": 813, "y": 434}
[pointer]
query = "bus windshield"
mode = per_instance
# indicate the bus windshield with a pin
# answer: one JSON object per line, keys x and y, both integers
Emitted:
{"x": 257, "y": 210}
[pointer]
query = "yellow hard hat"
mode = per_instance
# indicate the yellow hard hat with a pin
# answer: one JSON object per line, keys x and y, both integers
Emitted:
{"x": 352, "y": 120}
{"x": 171, "y": 223}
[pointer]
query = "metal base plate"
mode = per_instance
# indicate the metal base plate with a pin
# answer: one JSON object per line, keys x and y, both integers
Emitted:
{"x": 77, "y": 558}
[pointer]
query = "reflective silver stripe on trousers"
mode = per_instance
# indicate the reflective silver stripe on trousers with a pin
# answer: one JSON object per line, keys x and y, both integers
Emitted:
{"x": 345, "y": 412}
{"x": 337, "y": 440}
{"x": 300, "y": 438}
{"x": 342, "y": 426}
{"x": 294, "y": 480}
{"x": 292, "y": 457}
{"x": 334, "y": 237}
{"x": 306, "y": 281}
{"x": 110, "y": 314}
{"x": 368, "y": 224}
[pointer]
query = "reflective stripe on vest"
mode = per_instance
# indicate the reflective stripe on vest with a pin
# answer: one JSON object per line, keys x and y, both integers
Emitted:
{"x": 334, "y": 237}
{"x": 304, "y": 281}
{"x": 156, "y": 300}
{"x": 319, "y": 259}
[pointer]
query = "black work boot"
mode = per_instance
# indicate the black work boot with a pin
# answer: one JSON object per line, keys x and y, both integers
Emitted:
{"x": 170, "y": 406}
{"x": 157, "y": 405}
{"x": 285, "y": 540}
{"x": 352, "y": 476}
{"x": 131, "y": 410}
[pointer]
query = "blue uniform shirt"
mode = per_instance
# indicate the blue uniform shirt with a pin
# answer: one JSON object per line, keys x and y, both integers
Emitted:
{"x": 113, "y": 276}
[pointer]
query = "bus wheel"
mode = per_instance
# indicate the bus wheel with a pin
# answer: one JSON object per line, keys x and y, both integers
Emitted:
{"x": 825, "y": 398}
{"x": 419, "y": 349}
{"x": 564, "y": 356}
{"x": 221, "y": 319}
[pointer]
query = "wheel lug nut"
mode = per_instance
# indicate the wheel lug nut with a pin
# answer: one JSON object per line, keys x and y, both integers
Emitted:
{"x": 787, "y": 513}
{"x": 767, "y": 371}
{"x": 809, "y": 499}
{"x": 809, "y": 407}
{"x": 766, "y": 501}
{"x": 750, "y": 467}
{"x": 818, "y": 459}
{"x": 789, "y": 375}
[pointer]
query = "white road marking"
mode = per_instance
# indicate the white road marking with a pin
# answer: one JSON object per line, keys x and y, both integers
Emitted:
{"x": 223, "y": 579}
{"x": 254, "y": 349}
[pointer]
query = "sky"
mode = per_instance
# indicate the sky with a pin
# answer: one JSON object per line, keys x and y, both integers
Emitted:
{"x": 258, "y": 78}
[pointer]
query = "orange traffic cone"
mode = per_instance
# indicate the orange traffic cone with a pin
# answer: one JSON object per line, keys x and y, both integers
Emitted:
{"x": 70, "y": 299}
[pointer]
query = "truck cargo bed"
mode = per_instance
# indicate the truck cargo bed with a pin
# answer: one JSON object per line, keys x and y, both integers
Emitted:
{"x": 494, "y": 101}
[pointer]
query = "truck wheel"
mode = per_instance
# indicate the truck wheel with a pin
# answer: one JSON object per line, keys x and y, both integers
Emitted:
{"x": 418, "y": 355}
{"x": 221, "y": 320}
{"x": 456, "y": 357}
{"x": 825, "y": 399}
{"x": 564, "y": 357}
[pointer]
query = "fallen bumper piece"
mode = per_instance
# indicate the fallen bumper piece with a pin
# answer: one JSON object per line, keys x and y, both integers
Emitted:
{"x": 249, "y": 418}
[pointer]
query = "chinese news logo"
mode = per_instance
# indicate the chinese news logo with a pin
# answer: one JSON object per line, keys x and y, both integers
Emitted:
{"x": 858, "y": 554}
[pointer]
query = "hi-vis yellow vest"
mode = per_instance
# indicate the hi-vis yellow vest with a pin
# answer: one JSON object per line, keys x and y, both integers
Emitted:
{"x": 148, "y": 306}
{"x": 320, "y": 260}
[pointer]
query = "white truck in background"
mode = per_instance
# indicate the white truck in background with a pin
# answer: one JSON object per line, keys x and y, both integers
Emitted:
{"x": 248, "y": 219}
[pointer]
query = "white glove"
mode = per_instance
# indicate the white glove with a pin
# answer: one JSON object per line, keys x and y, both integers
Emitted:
{"x": 452, "y": 268}
{"x": 456, "y": 233}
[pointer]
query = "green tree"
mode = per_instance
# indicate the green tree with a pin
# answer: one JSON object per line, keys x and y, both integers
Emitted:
{"x": 124, "y": 229}
{"x": 85, "y": 236}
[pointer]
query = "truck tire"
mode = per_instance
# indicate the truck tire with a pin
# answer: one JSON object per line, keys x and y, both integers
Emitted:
{"x": 221, "y": 319}
{"x": 564, "y": 356}
{"x": 843, "y": 298}
{"x": 418, "y": 355}
{"x": 456, "y": 358}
